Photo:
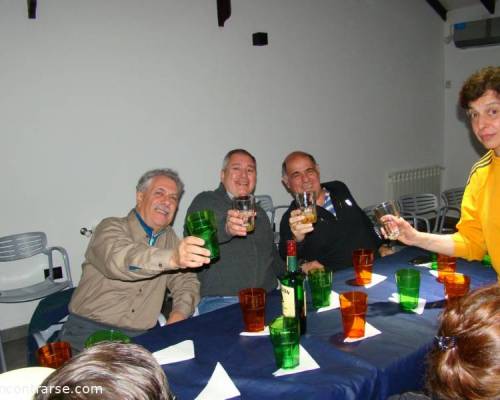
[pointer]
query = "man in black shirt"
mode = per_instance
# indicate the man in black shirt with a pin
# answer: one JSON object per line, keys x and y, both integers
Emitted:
{"x": 341, "y": 226}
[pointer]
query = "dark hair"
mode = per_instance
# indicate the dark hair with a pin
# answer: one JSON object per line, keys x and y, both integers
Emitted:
{"x": 478, "y": 84}
{"x": 470, "y": 367}
{"x": 293, "y": 154}
{"x": 237, "y": 151}
{"x": 108, "y": 370}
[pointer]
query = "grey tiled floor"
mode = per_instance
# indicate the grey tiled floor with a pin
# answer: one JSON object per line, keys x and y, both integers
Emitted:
{"x": 15, "y": 353}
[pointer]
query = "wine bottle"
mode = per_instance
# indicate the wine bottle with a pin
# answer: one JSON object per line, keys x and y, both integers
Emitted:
{"x": 293, "y": 295}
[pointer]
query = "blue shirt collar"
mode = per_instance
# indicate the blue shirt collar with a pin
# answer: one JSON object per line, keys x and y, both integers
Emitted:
{"x": 149, "y": 231}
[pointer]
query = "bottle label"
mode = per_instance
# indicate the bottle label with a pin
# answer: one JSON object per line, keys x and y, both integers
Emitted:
{"x": 288, "y": 301}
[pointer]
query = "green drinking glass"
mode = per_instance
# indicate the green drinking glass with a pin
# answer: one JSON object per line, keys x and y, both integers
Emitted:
{"x": 202, "y": 224}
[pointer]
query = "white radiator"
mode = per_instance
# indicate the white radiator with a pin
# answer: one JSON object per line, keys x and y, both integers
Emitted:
{"x": 416, "y": 180}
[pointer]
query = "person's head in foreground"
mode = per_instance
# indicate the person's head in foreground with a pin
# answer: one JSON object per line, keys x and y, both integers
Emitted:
{"x": 108, "y": 370}
{"x": 480, "y": 97}
{"x": 465, "y": 363}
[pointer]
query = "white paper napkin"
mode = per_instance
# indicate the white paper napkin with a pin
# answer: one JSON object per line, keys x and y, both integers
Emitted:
{"x": 420, "y": 307}
{"x": 424, "y": 265}
{"x": 306, "y": 363}
{"x": 178, "y": 352}
{"x": 219, "y": 386}
{"x": 376, "y": 279}
{"x": 433, "y": 272}
{"x": 334, "y": 302}
{"x": 265, "y": 332}
{"x": 370, "y": 331}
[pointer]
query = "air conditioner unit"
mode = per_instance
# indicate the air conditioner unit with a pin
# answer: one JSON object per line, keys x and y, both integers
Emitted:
{"x": 485, "y": 32}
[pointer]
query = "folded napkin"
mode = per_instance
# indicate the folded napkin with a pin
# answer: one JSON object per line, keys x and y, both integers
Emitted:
{"x": 420, "y": 307}
{"x": 370, "y": 331}
{"x": 265, "y": 332}
{"x": 424, "y": 265}
{"x": 178, "y": 352}
{"x": 376, "y": 279}
{"x": 219, "y": 386}
{"x": 433, "y": 272}
{"x": 306, "y": 363}
{"x": 334, "y": 303}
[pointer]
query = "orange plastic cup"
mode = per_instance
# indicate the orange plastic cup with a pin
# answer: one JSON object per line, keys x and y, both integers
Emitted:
{"x": 353, "y": 307}
{"x": 362, "y": 260}
{"x": 53, "y": 355}
{"x": 456, "y": 285}
{"x": 446, "y": 265}
{"x": 253, "y": 305}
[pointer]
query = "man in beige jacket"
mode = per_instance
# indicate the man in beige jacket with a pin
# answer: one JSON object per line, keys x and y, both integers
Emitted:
{"x": 129, "y": 263}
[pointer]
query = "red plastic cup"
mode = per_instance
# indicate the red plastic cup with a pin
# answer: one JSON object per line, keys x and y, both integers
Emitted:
{"x": 353, "y": 307}
{"x": 362, "y": 260}
{"x": 456, "y": 285}
{"x": 53, "y": 355}
{"x": 446, "y": 265}
{"x": 253, "y": 305}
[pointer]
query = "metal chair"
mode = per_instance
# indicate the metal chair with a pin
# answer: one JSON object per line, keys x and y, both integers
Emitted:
{"x": 425, "y": 206}
{"x": 26, "y": 245}
{"x": 452, "y": 202}
{"x": 265, "y": 201}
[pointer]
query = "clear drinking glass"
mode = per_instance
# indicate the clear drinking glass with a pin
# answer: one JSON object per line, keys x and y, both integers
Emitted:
{"x": 246, "y": 209}
{"x": 306, "y": 201}
{"x": 388, "y": 208}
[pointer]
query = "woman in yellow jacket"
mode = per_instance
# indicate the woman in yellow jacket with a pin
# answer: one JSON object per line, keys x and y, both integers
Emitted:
{"x": 479, "y": 225}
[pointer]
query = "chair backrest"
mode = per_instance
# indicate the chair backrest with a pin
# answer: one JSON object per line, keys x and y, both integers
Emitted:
{"x": 453, "y": 197}
{"x": 266, "y": 203}
{"x": 22, "y": 245}
{"x": 273, "y": 212}
{"x": 419, "y": 203}
{"x": 25, "y": 245}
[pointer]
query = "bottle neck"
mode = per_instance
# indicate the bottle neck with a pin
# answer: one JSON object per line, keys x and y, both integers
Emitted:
{"x": 291, "y": 263}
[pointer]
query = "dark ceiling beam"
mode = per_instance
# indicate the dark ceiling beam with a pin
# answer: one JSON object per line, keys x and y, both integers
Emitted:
{"x": 223, "y": 11}
{"x": 32, "y": 9}
{"x": 438, "y": 7}
{"x": 489, "y": 5}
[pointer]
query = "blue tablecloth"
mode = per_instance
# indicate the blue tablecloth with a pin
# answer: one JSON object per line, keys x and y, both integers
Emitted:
{"x": 374, "y": 368}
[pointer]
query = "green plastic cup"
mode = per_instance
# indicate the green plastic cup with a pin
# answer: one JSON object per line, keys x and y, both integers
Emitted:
{"x": 106, "y": 336}
{"x": 486, "y": 260}
{"x": 320, "y": 283}
{"x": 285, "y": 334}
{"x": 434, "y": 261}
{"x": 408, "y": 282}
{"x": 202, "y": 224}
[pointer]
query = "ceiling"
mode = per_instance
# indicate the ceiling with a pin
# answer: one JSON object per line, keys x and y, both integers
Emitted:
{"x": 443, "y": 6}
{"x": 454, "y": 4}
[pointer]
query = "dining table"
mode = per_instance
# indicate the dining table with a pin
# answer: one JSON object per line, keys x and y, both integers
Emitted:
{"x": 389, "y": 360}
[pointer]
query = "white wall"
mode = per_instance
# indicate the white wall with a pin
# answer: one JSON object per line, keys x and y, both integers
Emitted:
{"x": 461, "y": 149}
{"x": 96, "y": 92}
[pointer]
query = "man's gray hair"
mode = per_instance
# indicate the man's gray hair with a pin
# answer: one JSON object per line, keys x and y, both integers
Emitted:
{"x": 147, "y": 177}
{"x": 237, "y": 151}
